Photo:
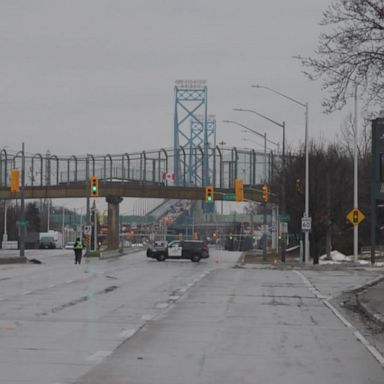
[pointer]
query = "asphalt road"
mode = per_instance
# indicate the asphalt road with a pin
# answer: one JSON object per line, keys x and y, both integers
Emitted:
{"x": 134, "y": 320}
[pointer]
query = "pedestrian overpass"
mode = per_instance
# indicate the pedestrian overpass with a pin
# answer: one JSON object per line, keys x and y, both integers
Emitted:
{"x": 145, "y": 174}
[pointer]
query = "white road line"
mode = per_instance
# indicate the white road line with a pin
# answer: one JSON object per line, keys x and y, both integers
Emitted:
{"x": 98, "y": 356}
{"x": 338, "y": 314}
{"x": 372, "y": 350}
{"x": 27, "y": 292}
{"x": 127, "y": 333}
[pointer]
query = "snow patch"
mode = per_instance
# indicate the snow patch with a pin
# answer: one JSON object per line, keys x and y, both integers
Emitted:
{"x": 336, "y": 257}
{"x": 339, "y": 258}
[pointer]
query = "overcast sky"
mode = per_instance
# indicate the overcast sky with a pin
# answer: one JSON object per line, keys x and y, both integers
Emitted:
{"x": 92, "y": 76}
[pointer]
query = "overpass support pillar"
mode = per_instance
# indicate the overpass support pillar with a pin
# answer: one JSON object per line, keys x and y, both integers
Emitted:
{"x": 113, "y": 221}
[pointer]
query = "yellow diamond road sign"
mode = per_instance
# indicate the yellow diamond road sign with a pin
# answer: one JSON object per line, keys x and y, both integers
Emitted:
{"x": 355, "y": 216}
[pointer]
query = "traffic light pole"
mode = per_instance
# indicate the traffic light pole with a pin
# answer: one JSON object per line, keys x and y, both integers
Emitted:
{"x": 265, "y": 232}
{"x": 88, "y": 214}
{"x": 94, "y": 226}
{"x": 266, "y": 194}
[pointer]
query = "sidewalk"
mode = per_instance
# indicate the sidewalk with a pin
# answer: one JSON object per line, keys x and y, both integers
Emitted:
{"x": 369, "y": 298}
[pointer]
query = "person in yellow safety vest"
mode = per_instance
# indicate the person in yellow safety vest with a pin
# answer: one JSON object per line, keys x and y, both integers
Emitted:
{"x": 78, "y": 248}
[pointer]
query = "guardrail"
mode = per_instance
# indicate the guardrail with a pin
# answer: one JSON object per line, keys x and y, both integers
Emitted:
{"x": 366, "y": 251}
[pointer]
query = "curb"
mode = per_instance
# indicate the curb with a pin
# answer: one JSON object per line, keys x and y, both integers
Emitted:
{"x": 378, "y": 318}
{"x": 117, "y": 253}
{"x": 13, "y": 260}
{"x": 108, "y": 255}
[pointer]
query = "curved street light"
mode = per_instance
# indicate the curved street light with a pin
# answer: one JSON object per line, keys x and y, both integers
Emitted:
{"x": 306, "y": 210}
{"x": 264, "y": 136}
{"x": 261, "y": 145}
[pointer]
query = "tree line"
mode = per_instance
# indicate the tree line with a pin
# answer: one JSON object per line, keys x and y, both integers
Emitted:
{"x": 331, "y": 175}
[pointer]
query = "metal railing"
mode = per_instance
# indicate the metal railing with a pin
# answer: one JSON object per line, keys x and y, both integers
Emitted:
{"x": 226, "y": 164}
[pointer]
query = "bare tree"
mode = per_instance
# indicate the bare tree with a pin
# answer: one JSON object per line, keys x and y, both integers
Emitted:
{"x": 346, "y": 138}
{"x": 350, "y": 52}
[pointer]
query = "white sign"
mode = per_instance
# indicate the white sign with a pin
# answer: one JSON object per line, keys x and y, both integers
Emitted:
{"x": 9, "y": 245}
{"x": 283, "y": 227}
{"x": 87, "y": 229}
{"x": 306, "y": 224}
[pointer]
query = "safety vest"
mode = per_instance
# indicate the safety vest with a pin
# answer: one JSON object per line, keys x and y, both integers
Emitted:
{"x": 78, "y": 245}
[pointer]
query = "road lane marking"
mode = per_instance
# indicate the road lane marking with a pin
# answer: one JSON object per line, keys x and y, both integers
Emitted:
{"x": 338, "y": 314}
{"x": 370, "y": 348}
{"x": 98, "y": 356}
{"x": 127, "y": 333}
{"x": 27, "y": 292}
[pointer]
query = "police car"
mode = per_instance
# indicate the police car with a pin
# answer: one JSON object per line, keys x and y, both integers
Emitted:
{"x": 194, "y": 250}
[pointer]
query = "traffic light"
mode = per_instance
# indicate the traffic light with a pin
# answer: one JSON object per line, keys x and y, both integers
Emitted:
{"x": 15, "y": 180}
{"x": 355, "y": 216}
{"x": 94, "y": 185}
{"x": 266, "y": 192}
{"x": 298, "y": 185}
{"x": 209, "y": 193}
{"x": 239, "y": 190}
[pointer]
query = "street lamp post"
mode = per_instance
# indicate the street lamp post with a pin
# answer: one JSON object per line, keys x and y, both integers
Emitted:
{"x": 355, "y": 180}
{"x": 222, "y": 143}
{"x": 283, "y": 205}
{"x": 306, "y": 208}
{"x": 265, "y": 180}
{"x": 22, "y": 229}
